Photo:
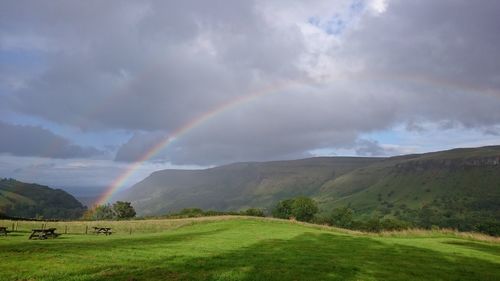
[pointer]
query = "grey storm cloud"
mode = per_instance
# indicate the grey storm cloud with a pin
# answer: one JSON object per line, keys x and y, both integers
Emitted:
{"x": 146, "y": 66}
{"x": 137, "y": 145}
{"x": 151, "y": 67}
{"x": 35, "y": 141}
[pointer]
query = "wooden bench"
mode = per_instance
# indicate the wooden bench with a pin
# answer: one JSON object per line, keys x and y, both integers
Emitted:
{"x": 43, "y": 233}
{"x": 103, "y": 230}
{"x": 4, "y": 231}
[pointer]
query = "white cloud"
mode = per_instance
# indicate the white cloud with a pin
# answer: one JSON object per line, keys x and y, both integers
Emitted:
{"x": 379, "y": 6}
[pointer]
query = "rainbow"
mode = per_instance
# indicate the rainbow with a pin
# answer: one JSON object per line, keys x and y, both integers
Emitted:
{"x": 179, "y": 132}
{"x": 195, "y": 122}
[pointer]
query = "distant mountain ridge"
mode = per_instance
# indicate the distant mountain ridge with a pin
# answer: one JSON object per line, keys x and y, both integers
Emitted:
{"x": 28, "y": 200}
{"x": 236, "y": 186}
{"x": 455, "y": 188}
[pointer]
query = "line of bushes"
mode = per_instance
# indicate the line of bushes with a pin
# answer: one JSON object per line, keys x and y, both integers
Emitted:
{"x": 305, "y": 209}
{"x": 197, "y": 212}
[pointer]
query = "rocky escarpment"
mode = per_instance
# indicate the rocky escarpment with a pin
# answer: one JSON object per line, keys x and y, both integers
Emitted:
{"x": 461, "y": 163}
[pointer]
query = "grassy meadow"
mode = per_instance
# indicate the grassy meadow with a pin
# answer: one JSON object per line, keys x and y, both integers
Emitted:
{"x": 241, "y": 248}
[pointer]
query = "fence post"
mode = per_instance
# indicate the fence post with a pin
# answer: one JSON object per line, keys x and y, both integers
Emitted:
{"x": 130, "y": 233}
{"x": 65, "y": 229}
{"x": 86, "y": 229}
{"x": 12, "y": 226}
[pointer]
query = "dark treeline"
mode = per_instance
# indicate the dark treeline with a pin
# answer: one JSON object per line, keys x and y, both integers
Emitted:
{"x": 197, "y": 212}
{"x": 5, "y": 217}
{"x": 428, "y": 217}
{"x": 306, "y": 209}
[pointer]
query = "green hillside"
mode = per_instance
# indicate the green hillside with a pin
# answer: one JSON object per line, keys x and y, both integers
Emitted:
{"x": 458, "y": 188}
{"x": 18, "y": 199}
{"x": 248, "y": 249}
{"x": 237, "y": 186}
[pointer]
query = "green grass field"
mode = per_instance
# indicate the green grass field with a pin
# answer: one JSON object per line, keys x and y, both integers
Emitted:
{"x": 245, "y": 249}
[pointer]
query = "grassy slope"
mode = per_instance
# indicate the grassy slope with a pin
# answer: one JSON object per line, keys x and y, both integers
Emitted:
{"x": 237, "y": 186}
{"x": 414, "y": 189}
{"x": 29, "y": 200}
{"x": 417, "y": 181}
{"x": 8, "y": 197}
{"x": 449, "y": 180}
{"x": 248, "y": 249}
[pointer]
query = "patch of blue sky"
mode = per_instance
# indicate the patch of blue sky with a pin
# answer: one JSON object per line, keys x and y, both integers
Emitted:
{"x": 21, "y": 58}
{"x": 333, "y": 26}
{"x": 4, "y": 89}
{"x": 322, "y": 152}
{"x": 340, "y": 21}
{"x": 315, "y": 20}
{"x": 389, "y": 136}
{"x": 357, "y": 7}
{"x": 432, "y": 137}
{"x": 17, "y": 66}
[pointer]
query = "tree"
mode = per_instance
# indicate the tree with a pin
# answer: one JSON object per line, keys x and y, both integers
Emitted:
{"x": 341, "y": 217}
{"x": 101, "y": 212}
{"x": 489, "y": 227}
{"x": 123, "y": 210}
{"x": 427, "y": 217}
{"x": 304, "y": 208}
{"x": 283, "y": 209}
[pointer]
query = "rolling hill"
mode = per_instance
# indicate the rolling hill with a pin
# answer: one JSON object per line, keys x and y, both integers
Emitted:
{"x": 18, "y": 199}
{"x": 237, "y": 186}
{"x": 457, "y": 188}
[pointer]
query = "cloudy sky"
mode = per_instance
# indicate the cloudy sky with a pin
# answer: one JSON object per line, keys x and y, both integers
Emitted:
{"x": 88, "y": 87}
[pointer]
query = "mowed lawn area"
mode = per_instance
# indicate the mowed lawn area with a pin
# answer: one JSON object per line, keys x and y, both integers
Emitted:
{"x": 248, "y": 249}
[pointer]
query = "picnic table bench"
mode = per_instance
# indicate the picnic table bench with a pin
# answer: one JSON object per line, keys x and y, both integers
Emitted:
{"x": 3, "y": 230}
{"x": 103, "y": 230}
{"x": 43, "y": 233}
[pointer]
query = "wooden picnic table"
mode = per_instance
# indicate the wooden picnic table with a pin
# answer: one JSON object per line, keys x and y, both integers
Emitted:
{"x": 43, "y": 233}
{"x": 103, "y": 230}
{"x": 3, "y": 230}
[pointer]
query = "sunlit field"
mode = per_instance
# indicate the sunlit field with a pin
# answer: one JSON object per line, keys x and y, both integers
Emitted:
{"x": 239, "y": 248}
{"x": 118, "y": 227}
